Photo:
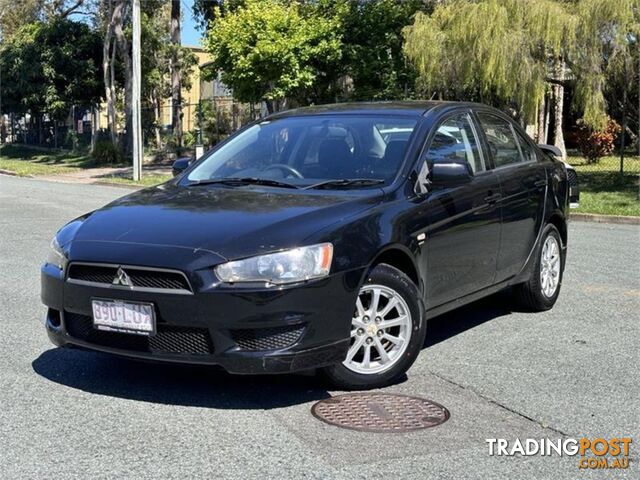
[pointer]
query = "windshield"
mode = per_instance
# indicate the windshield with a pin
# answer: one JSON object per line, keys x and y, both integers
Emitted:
{"x": 304, "y": 151}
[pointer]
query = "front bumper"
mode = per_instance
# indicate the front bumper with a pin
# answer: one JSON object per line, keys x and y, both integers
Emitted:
{"x": 245, "y": 331}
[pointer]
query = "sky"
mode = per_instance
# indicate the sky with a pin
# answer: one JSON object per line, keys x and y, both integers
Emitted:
{"x": 190, "y": 36}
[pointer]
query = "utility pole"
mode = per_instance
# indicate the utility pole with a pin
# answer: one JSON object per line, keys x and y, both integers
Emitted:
{"x": 135, "y": 97}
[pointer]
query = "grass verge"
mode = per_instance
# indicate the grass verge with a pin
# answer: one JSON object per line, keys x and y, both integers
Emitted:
{"x": 28, "y": 161}
{"x": 603, "y": 190}
{"x": 24, "y": 161}
{"x": 148, "y": 180}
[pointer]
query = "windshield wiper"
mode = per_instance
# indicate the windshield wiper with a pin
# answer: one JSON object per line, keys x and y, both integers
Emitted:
{"x": 242, "y": 181}
{"x": 346, "y": 182}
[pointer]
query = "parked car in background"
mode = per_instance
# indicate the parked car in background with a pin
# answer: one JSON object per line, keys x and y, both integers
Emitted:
{"x": 323, "y": 237}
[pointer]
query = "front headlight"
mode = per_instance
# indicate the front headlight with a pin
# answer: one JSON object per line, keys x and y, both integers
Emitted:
{"x": 289, "y": 266}
{"x": 56, "y": 255}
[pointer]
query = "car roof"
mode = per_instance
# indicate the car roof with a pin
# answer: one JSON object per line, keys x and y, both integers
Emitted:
{"x": 415, "y": 108}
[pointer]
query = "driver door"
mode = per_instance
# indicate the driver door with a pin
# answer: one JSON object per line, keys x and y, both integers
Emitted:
{"x": 463, "y": 220}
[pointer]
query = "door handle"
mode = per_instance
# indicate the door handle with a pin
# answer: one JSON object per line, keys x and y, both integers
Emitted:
{"x": 540, "y": 183}
{"x": 493, "y": 198}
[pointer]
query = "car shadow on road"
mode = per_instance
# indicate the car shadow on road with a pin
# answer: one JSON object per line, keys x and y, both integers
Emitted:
{"x": 186, "y": 385}
{"x": 457, "y": 321}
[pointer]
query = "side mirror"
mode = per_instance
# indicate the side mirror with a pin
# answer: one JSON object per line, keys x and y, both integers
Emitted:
{"x": 450, "y": 174}
{"x": 551, "y": 150}
{"x": 180, "y": 165}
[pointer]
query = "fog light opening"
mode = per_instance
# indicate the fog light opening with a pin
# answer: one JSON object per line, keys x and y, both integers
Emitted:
{"x": 53, "y": 317}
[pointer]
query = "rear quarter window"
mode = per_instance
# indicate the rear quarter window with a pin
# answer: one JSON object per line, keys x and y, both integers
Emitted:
{"x": 501, "y": 139}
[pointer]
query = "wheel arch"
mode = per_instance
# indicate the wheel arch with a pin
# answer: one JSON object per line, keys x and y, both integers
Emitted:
{"x": 400, "y": 257}
{"x": 559, "y": 221}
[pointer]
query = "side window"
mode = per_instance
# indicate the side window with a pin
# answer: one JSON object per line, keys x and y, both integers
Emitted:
{"x": 501, "y": 139}
{"x": 455, "y": 141}
{"x": 528, "y": 151}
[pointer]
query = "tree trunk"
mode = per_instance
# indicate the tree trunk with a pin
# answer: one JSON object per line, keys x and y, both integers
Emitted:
{"x": 40, "y": 130}
{"x": 559, "y": 107}
{"x": 625, "y": 97}
{"x": 108, "y": 61}
{"x": 155, "y": 101}
{"x": 270, "y": 106}
{"x": 125, "y": 55}
{"x": 541, "y": 136}
{"x": 95, "y": 117}
{"x": 176, "y": 80}
{"x": 547, "y": 117}
{"x": 111, "y": 112}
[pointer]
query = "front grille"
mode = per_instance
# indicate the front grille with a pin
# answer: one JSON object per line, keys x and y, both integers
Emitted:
{"x": 140, "y": 277}
{"x": 168, "y": 339}
{"x": 572, "y": 177}
{"x": 274, "y": 338}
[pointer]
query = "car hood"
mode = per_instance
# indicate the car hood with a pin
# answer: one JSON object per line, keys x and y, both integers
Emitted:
{"x": 232, "y": 222}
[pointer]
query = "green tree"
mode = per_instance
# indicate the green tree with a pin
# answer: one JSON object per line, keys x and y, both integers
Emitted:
{"x": 268, "y": 50}
{"x": 49, "y": 67}
{"x": 511, "y": 53}
{"x": 206, "y": 11}
{"x": 15, "y": 15}
{"x": 176, "y": 74}
{"x": 161, "y": 57}
{"x": 156, "y": 66}
{"x": 607, "y": 39}
{"x": 373, "y": 41}
{"x": 497, "y": 51}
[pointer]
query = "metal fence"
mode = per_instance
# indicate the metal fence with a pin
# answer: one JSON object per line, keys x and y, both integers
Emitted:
{"x": 611, "y": 179}
{"x": 44, "y": 131}
{"x": 208, "y": 121}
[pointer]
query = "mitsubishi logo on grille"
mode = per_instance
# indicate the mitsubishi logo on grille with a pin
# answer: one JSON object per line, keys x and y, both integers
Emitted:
{"x": 122, "y": 278}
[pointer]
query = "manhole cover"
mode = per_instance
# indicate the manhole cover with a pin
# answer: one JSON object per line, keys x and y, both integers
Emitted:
{"x": 380, "y": 412}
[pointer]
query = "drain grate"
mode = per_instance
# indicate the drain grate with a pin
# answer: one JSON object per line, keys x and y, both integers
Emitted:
{"x": 380, "y": 412}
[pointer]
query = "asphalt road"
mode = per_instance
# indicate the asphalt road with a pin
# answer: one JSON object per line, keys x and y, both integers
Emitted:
{"x": 569, "y": 372}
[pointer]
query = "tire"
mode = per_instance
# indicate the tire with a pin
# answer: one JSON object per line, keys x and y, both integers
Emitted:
{"x": 531, "y": 294}
{"x": 392, "y": 287}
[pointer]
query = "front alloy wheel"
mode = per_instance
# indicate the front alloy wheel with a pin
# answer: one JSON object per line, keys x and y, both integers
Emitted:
{"x": 380, "y": 330}
{"x": 387, "y": 331}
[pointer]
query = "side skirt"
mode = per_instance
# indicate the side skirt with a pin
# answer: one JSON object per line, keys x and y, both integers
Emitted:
{"x": 485, "y": 292}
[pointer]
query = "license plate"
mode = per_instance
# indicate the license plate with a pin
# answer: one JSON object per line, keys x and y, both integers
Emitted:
{"x": 126, "y": 317}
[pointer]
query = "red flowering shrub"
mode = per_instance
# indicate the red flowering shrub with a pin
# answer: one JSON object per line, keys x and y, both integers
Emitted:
{"x": 594, "y": 144}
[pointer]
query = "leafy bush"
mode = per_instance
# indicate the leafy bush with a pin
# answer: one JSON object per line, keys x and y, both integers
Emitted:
{"x": 189, "y": 139}
{"x": 106, "y": 153}
{"x": 594, "y": 144}
{"x": 216, "y": 123}
{"x": 170, "y": 142}
{"x": 71, "y": 140}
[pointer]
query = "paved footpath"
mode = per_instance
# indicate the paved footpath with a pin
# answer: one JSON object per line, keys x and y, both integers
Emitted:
{"x": 97, "y": 175}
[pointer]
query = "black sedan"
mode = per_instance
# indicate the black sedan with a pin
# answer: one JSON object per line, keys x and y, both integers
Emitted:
{"x": 323, "y": 237}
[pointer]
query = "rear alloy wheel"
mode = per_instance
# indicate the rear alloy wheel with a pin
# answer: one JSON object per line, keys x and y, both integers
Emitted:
{"x": 541, "y": 291}
{"x": 387, "y": 332}
{"x": 550, "y": 267}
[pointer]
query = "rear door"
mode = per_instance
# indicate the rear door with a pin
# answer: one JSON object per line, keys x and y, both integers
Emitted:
{"x": 463, "y": 221}
{"x": 523, "y": 183}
